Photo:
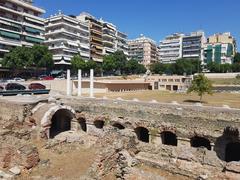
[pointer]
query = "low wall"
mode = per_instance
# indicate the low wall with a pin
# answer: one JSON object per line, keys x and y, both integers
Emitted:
{"x": 221, "y": 75}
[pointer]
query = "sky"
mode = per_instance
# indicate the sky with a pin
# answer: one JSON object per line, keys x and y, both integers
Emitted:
{"x": 156, "y": 18}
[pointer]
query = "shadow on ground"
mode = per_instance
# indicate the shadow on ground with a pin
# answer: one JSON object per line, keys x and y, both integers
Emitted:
{"x": 194, "y": 101}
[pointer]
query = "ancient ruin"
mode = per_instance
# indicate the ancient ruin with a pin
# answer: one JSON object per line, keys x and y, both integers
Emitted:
{"x": 191, "y": 141}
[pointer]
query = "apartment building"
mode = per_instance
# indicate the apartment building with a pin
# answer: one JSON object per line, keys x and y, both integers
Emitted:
{"x": 105, "y": 38}
{"x": 96, "y": 36}
{"x": 67, "y": 36}
{"x": 20, "y": 24}
{"x": 122, "y": 42}
{"x": 170, "y": 49}
{"x": 220, "y": 48}
{"x": 144, "y": 50}
{"x": 192, "y": 45}
{"x": 109, "y": 38}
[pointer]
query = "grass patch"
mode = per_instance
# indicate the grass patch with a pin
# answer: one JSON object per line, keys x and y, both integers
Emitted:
{"x": 230, "y": 81}
{"x": 217, "y": 99}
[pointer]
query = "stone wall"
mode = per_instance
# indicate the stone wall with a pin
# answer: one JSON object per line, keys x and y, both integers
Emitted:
{"x": 12, "y": 110}
{"x": 184, "y": 121}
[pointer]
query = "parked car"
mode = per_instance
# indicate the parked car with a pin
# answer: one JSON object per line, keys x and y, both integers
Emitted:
{"x": 41, "y": 77}
{"x": 75, "y": 77}
{"x": 48, "y": 78}
{"x": 60, "y": 78}
{"x": 16, "y": 79}
{"x": 14, "y": 86}
{"x": 45, "y": 77}
{"x": 34, "y": 86}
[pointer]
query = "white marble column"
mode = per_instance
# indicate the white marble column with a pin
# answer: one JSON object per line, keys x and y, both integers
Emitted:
{"x": 79, "y": 82}
{"x": 68, "y": 83}
{"x": 91, "y": 83}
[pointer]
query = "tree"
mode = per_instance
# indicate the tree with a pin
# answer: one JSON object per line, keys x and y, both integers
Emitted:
{"x": 213, "y": 67}
{"x": 201, "y": 85}
{"x": 237, "y": 58}
{"x": 42, "y": 57}
{"x": 120, "y": 60}
{"x": 133, "y": 67}
{"x": 188, "y": 66}
{"x": 109, "y": 65}
{"x": 157, "y": 68}
{"x": 23, "y": 57}
{"x": 77, "y": 63}
{"x": 236, "y": 67}
{"x": 18, "y": 58}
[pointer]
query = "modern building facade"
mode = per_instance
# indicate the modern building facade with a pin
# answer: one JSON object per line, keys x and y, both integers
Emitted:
{"x": 144, "y": 50}
{"x": 105, "y": 38}
{"x": 192, "y": 45}
{"x": 122, "y": 42}
{"x": 170, "y": 83}
{"x": 67, "y": 36}
{"x": 220, "y": 48}
{"x": 109, "y": 38}
{"x": 20, "y": 25}
{"x": 170, "y": 49}
{"x": 96, "y": 36}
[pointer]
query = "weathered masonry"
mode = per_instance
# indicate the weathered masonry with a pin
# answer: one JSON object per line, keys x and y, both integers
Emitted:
{"x": 205, "y": 135}
{"x": 215, "y": 129}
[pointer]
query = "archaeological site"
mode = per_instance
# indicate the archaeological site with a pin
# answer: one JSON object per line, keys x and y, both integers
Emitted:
{"x": 59, "y": 137}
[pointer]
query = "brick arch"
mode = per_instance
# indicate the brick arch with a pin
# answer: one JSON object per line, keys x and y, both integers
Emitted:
{"x": 118, "y": 125}
{"x": 142, "y": 134}
{"x": 169, "y": 138}
{"x": 200, "y": 141}
{"x": 48, "y": 117}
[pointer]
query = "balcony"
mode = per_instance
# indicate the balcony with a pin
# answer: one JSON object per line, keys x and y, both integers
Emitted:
{"x": 10, "y": 35}
{"x": 11, "y": 19}
{"x": 96, "y": 24}
{"x": 84, "y": 54}
{"x": 4, "y": 8}
{"x": 96, "y": 32}
{"x": 33, "y": 40}
{"x": 96, "y": 39}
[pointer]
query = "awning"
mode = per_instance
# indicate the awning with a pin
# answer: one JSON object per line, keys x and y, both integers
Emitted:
{"x": 33, "y": 39}
{"x": 72, "y": 44}
{"x": 84, "y": 46}
{"x": 10, "y": 35}
{"x": 33, "y": 30}
{"x": 99, "y": 47}
{"x": 56, "y": 72}
{"x": 16, "y": 25}
{"x": 62, "y": 62}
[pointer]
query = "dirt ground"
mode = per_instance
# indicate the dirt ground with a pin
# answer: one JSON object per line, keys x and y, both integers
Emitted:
{"x": 227, "y": 81}
{"x": 161, "y": 173}
{"x": 217, "y": 99}
{"x": 67, "y": 161}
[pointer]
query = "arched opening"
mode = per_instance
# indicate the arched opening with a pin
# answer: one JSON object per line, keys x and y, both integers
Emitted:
{"x": 118, "y": 126}
{"x": 142, "y": 134}
{"x": 169, "y": 138}
{"x": 200, "y": 142}
{"x": 61, "y": 121}
{"x": 232, "y": 152}
{"x": 83, "y": 124}
{"x": 99, "y": 124}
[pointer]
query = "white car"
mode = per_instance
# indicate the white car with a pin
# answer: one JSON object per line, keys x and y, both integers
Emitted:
{"x": 59, "y": 78}
{"x": 17, "y": 79}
